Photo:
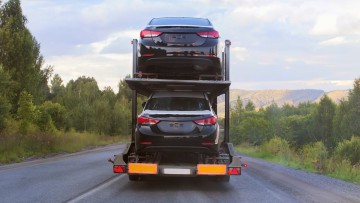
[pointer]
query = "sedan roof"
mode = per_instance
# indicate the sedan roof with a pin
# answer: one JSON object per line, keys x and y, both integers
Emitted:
{"x": 183, "y": 21}
{"x": 178, "y": 94}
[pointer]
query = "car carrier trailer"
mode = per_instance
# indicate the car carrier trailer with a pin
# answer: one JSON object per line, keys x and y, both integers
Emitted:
{"x": 226, "y": 163}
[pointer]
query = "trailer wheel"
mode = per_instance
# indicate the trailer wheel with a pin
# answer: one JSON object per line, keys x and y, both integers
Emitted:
{"x": 134, "y": 177}
{"x": 225, "y": 178}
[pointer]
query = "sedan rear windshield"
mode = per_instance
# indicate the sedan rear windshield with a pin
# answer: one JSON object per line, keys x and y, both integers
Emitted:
{"x": 180, "y": 21}
{"x": 177, "y": 104}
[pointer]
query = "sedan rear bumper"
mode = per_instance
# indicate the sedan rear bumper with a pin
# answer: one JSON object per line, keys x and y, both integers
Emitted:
{"x": 197, "y": 144}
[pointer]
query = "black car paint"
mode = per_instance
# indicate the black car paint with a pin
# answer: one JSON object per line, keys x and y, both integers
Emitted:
{"x": 179, "y": 50}
{"x": 177, "y": 131}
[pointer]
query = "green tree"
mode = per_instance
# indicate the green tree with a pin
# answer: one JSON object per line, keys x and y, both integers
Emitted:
{"x": 4, "y": 102}
{"x": 341, "y": 127}
{"x": 354, "y": 108}
{"x": 124, "y": 90}
{"x": 57, "y": 113}
{"x": 25, "y": 112}
{"x": 79, "y": 98}
{"x": 122, "y": 117}
{"x": 250, "y": 106}
{"x": 235, "y": 118}
{"x": 20, "y": 55}
{"x": 273, "y": 115}
{"x": 297, "y": 129}
{"x": 56, "y": 87}
{"x": 103, "y": 114}
{"x": 324, "y": 122}
{"x": 254, "y": 128}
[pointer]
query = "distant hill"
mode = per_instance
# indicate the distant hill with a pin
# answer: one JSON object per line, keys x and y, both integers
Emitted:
{"x": 263, "y": 98}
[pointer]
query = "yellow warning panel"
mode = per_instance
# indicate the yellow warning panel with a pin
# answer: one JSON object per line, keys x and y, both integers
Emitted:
{"x": 211, "y": 169}
{"x": 140, "y": 168}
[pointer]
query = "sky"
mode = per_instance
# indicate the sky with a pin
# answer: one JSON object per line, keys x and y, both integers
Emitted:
{"x": 276, "y": 44}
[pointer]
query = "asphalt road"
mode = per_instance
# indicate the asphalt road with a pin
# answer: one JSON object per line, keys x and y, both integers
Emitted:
{"x": 88, "y": 177}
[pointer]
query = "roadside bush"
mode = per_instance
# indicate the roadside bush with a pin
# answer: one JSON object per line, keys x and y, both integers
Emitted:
{"x": 349, "y": 149}
{"x": 278, "y": 146}
{"x": 314, "y": 156}
{"x": 342, "y": 168}
{"x": 44, "y": 121}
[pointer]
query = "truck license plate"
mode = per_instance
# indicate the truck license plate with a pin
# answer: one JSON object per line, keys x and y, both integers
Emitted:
{"x": 177, "y": 171}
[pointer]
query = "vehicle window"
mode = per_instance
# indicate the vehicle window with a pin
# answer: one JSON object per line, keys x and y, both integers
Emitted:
{"x": 177, "y": 104}
{"x": 180, "y": 21}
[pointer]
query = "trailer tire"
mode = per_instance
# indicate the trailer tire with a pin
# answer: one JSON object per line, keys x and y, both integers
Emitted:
{"x": 225, "y": 178}
{"x": 134, "y": 177}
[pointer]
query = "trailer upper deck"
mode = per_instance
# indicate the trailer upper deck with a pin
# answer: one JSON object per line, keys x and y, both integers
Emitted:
{"x": 147, "y": 86}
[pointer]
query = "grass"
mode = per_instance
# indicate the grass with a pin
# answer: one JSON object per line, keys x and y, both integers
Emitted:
{"x": 17, "y": 147}
{"x": 331, "y": 167}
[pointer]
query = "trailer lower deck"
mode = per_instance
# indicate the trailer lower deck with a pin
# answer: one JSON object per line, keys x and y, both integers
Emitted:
{"x": 221, "y": 166}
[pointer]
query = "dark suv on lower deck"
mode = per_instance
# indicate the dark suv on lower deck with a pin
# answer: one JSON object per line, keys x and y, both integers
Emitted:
{"x": 177, "y": 121}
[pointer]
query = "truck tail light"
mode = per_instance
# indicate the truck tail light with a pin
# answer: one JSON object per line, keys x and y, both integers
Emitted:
{"x": 149, "y": 33}
{"x": 207, "y": 121}
{"x": 147, "y": 121}
{"x": 210, "y": 34}
{"x": 208, "y": 143}
{"x": 119, "y": 169}
{"x": 234, "y": 171}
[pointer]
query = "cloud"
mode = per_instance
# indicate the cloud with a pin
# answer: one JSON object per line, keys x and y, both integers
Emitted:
{"x": 239, "y": 52}
{"x": 99, "y": 46}
{"x": 326, "y": 85}
{"x": 107, "y": 69}
{"x": 334, "y": 41}
{"x": 273, "y": 42}
{"x": 325, "y": 25}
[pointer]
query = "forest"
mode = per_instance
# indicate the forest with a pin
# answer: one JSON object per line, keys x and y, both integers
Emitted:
{"x": 39, "y": 114}
{"x": 322, "y": 137}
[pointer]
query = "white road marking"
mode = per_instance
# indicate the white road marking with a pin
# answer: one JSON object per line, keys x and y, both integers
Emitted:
{"x": 96, "y": 189}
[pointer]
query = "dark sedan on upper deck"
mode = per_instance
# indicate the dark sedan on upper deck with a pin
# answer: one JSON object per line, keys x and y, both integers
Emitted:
{"x": 180, "y": 46}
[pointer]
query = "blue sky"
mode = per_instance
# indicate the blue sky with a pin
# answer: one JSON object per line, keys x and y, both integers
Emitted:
{"x": 275, "y": 44}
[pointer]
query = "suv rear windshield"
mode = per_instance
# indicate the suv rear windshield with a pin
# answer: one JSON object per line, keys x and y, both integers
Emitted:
{"x": 177, "y": 104}
{"x": 180, "y": 21}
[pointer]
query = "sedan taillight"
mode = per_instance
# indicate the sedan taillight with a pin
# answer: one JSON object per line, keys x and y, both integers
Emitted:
{"x": 210, "y": 34}
{"x": 147, "y": 121}
{"x": 149, "y": 33}
{"x": 207, "y": 121}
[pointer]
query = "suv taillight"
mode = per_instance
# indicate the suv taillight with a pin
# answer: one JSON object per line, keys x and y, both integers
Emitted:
{"x": 149, "y": 33}
{"x": 207, "y": 121}
{"x": 210, "y": 34}
{"x": 147, "y": 121}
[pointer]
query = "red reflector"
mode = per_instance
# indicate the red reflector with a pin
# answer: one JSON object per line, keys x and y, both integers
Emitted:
{"x": 207, "y": 121}
{"x": 148, "y": 54}
{"x": 244, "y": 165}
{"x": 145, "y": 142}
{"x": 234, "y": 171}
{"x": 208, "y": 143}
{"x": 149, "y": 33}
{"x": 119, "y": 169}
{"x": 147, "y": 121}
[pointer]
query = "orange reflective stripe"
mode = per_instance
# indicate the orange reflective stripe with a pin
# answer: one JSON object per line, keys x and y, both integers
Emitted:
{"x": 211, "y": 169}
{"x": 140, "y": 168}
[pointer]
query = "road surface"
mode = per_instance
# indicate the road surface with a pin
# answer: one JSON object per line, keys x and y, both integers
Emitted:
{"x": 87, "y": 177}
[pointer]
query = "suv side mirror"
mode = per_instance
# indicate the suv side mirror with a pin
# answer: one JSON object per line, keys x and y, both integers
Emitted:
{"x": 143, "y": 104}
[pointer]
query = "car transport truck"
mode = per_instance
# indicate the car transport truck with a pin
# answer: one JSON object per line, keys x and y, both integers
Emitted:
{"x": 178, "y": 132}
